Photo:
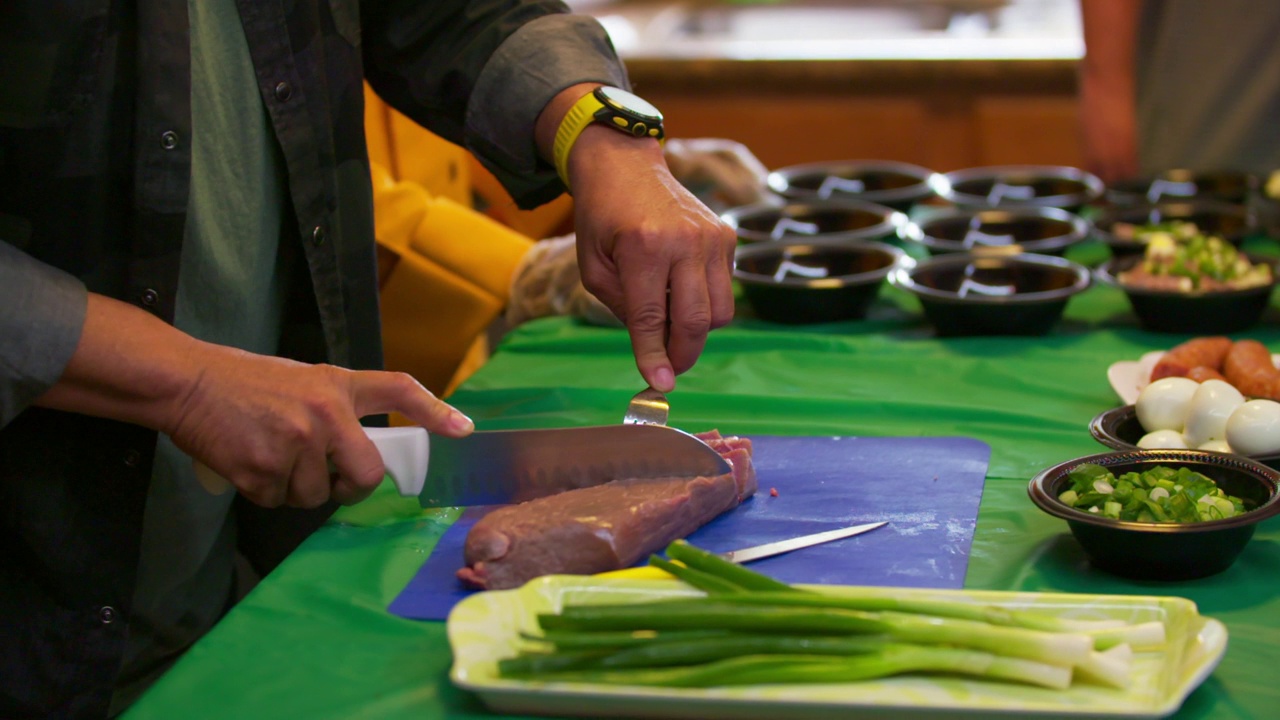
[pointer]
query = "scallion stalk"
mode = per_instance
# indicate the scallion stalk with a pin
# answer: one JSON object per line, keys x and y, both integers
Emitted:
{"x": 776, "y": 669}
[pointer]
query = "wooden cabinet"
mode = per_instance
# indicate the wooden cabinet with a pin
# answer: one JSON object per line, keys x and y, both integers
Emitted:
{"x": 944, "y": 115}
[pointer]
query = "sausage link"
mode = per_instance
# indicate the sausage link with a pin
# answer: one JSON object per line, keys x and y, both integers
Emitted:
{"x": 1200, "y": 373}
{"x": 1205, "y": 351}
{"x": 1249, "y": 367}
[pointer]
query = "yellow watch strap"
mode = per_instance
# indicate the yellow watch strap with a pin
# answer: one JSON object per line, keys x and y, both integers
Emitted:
{"x": 575, "y": 121}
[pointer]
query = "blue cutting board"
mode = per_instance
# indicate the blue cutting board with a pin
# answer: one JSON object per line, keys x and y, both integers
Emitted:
{"x": 928, "y": 488}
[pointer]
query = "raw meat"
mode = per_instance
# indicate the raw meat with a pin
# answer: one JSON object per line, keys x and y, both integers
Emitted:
{"x": 601, "y": 528}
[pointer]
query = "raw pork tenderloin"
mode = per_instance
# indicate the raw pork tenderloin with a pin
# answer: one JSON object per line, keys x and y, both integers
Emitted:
{"x": 605, "y": 527}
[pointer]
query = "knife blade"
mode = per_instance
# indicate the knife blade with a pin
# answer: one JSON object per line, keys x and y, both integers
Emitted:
{"x": 506, "y": 466}
{"x": 757, "y": 552}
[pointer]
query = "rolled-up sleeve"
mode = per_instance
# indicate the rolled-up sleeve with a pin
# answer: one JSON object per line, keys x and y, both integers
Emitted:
{"x": 42, "y": 312}
{"x": 528, "y": 70}
{"x": 480, "y": 72}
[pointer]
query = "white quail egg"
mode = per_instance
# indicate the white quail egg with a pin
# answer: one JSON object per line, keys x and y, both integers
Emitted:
{"x": 1163, "y": 404}
{"x": 1162, "y": 440}
{"x": 1254, "y": 428}
{"x": 1207, "y": 415}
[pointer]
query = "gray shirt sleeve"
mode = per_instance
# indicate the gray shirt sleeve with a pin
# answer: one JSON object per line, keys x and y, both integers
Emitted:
{"x": 529, "y": 68}
{"x": 42, "y": 312}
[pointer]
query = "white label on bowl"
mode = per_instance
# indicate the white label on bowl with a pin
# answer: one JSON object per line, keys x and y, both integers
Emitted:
{"x": 977, "y": 237}
{"x": 1001, "y": 189}
{"x": 788, "y": 267}
{"x": 977, "y": 288}
{"x": 799, "y": 227}
{"x": 845, "y": 185}
{"x": 1160, "y": 186}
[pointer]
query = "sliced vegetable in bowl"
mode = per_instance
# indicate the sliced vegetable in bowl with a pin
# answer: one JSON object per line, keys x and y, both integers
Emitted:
{"x": 1146, "y": 232}
{"x": 1162, "y": 303}
{"x": 1194, "y": 263}
{"x": 1160, "y": 549}
{"x": 1159, "y": 494}
{"x": 1126, "y": 229}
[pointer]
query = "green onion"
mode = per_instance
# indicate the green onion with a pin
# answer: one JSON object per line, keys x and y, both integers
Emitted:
{"x": 693, "y": 652}
{"x": 776, "y": 669}
{"x": 924, "y": 606}
{"x": 572, "y": 640}
{"x": 709, "y": 613}
{"x": 706, "y": 582}
{"x": 1113, "y": 667}
{"x": 1143, "y": 636}
{"x": 713, "y": 564}
{"x": 1060, "y": 648}
{"x": 751, "y": 629}
{"x": 1160, "y": 494}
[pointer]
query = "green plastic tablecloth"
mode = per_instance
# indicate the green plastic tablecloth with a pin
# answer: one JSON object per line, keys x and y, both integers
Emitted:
{"x": 314, "y": 639}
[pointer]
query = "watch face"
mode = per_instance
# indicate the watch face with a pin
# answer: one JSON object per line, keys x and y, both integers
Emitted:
{"x": 634, "y": 104}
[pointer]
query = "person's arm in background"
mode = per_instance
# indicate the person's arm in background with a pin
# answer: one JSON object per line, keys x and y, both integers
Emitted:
{"x": 1108, "y": 92}
{"x": 497, "y": 76}
{"x": 268, "y": 425}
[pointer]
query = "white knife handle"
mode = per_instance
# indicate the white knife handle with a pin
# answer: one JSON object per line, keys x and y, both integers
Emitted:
{"x": 404, "y": 450}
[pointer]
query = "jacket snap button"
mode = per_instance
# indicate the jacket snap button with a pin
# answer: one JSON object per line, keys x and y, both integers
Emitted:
{"x": 283, "y": 91}
{"x": 169, "y": 139}
{"x": 150, "y": 297}
{"x": 317, "y": 236}
{"x": 107, "y": 614}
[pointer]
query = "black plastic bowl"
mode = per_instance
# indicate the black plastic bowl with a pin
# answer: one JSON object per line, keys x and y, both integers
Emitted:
{"x": 992, "y": 294}
{"x": 1164, "y": 551}
{"x": 1021, "y": 185}
{"x": 894, "y": 184}
{"x": 851, "y": 276}
{"x": 1229, "y": 222}
{"x": 1119, "y": 429}
{"x": 819, "y": 219}
{"x": 1041, "y": 230}
{"x": 1231, "y": 186}
{"x": 1217, "y": 312}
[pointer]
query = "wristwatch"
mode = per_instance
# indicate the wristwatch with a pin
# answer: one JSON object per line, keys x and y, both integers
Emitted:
{"x": 610, "y": 106}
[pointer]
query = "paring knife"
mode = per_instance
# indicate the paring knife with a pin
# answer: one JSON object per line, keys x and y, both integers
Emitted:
{"x": 785, "y": 546}
{"x": 507, "y": 466}
{"x": 757, "y": 552}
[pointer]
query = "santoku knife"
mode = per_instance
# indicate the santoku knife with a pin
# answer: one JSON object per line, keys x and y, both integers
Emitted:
{"x": 497, "y": 467}
{"x": 508, "y": 466}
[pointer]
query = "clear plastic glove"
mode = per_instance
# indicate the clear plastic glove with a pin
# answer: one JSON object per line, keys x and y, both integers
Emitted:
{"x": 547, "y": 282}
{"x": 721, "y": 173}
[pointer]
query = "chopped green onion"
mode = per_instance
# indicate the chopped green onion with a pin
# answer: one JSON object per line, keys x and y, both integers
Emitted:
{"x": 1159, "y": 494}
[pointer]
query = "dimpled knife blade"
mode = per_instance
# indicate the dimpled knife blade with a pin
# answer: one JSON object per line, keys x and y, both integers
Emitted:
{"x": 506, "y": 466}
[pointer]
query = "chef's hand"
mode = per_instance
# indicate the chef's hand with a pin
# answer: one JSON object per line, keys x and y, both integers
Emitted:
{"x": 650, "y": 251}
{"x": 269, "y": 426}
{"x": 272, "y": 427}
{"x": 654, "y": 255}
